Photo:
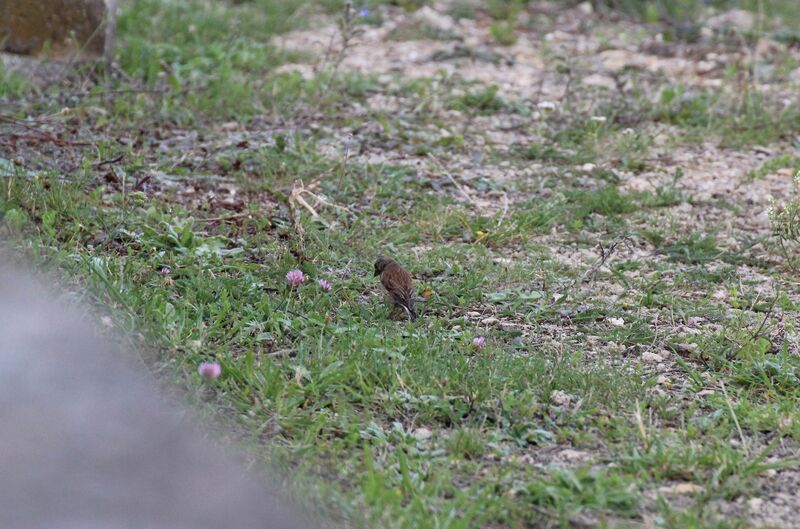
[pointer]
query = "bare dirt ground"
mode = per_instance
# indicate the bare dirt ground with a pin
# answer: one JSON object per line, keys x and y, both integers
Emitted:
{"x": 662, "y": 276}
{"x": 576, "y": 57}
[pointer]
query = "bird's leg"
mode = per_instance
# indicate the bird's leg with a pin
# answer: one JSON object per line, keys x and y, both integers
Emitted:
{"x": 395, "y": 313}
{"x": 407, "y": 312}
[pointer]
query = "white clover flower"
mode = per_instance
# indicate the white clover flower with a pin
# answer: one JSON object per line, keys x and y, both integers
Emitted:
{"x": 771, "y": 209}
{"x": 295, "y": 278}
{"x": 209, "y": 370}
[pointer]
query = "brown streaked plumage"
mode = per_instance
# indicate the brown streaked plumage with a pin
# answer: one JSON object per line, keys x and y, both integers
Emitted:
{"x": 398, "y": 284}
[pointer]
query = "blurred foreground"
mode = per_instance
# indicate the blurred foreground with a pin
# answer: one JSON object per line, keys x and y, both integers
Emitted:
{"x": 87, "y": 443}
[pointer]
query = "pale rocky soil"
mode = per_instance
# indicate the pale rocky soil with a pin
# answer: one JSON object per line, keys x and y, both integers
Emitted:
{"x": 599, "y": 53}
{"x": 566, "y": 58}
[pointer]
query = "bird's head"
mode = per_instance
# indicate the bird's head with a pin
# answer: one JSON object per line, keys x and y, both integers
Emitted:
{"x": 381, "y": 264}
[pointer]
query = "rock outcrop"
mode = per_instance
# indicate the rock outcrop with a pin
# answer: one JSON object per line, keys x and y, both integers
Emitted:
{"x": 58, "y": 29}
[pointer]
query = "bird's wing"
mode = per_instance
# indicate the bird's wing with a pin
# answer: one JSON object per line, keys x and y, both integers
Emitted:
{"x": 398, "y": 283}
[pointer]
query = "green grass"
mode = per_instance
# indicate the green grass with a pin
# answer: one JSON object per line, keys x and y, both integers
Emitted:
{"x": 747, "y": 119}
{"x": 12, "y": 85}
{"x": 772, "y": 165}
{"x": 343, "y": 369}
{"x": 606, "y": 311}
{"x": 684, "y": 12}
{"x": 483, "y": 101}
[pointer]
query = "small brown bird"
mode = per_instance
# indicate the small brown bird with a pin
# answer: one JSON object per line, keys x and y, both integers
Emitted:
{"x": 398, "y": 284}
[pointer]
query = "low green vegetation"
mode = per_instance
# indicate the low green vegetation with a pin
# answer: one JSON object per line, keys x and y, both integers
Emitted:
{"x": 639, "y": 357}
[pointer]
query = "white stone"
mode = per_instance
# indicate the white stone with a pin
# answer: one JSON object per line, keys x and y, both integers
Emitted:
{"x": 420, "y": 434}
{"x": 651, "y": 358}
{"x": 559, "y": 398}
{"x": 614, "y": 61}
{"x": 704, "y": 67}
{"x": 306, "y": 71}
{"x": 573, "y": 455}
{"x": 600, "y": 81}
{"x": 681, "y": 488}
{"x": 738, "y": 19}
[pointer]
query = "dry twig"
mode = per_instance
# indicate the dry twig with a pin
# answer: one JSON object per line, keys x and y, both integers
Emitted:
{"x": 452, "y": 180}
